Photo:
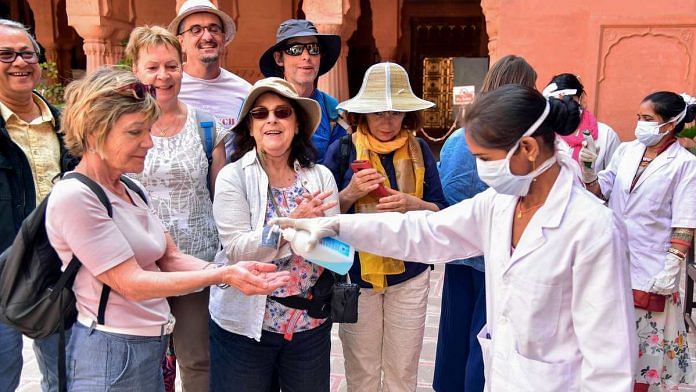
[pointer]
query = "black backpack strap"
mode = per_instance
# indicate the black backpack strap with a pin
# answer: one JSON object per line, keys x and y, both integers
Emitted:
{"x": 94, "y": 187}
{"x": 344, "y": 156}
{"x": 75, "y": 263}
{"x": 135, "y": 188}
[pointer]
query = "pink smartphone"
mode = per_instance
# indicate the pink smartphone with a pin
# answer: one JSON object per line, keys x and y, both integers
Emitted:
{"x": 358, "y": 165}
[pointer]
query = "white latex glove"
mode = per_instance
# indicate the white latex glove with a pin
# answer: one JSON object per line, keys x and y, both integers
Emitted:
{"x": 318, "y": 228}
{"x": 667, "y": 281}
{"x": 588, "y": 153}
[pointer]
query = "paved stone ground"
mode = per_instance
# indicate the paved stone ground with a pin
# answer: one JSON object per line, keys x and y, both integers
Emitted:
{"x": 31, "y": 376}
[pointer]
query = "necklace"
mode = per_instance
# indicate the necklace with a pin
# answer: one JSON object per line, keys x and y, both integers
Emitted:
{"x": 163, "y": 130}
{"x": 520, "y": 211}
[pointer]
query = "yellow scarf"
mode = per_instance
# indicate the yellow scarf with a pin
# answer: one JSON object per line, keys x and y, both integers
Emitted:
{"x": 410, "y": 178}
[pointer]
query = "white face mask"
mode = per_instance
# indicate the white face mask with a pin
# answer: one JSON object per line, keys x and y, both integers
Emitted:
{"x": 497, "y": 174}
{"x": 648, "y": 132}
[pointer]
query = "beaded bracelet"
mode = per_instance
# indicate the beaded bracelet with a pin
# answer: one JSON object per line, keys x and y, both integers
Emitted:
{"x": 678, "y": 253}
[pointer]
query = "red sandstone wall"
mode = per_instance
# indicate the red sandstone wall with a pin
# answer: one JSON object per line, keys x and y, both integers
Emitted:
{"x": 622, "y": 49}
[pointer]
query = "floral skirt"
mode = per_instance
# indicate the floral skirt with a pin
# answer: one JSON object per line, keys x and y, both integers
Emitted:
{"x": 663, "y": 354}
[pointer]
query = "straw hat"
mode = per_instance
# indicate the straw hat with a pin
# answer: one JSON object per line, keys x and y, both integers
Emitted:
{"x": 196, "y": 6}
{"x": 283, "y": 88}
{"x": 293, "y": 28}
{"x": 385, "y": 87}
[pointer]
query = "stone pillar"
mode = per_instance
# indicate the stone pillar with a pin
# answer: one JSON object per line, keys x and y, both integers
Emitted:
{"x": 103, "y": 24}
{"x": 337, "y": 17}
{"x": 491, "y": 11}
{"x": 96, "y": 51}
{"x": 386, "y": 17}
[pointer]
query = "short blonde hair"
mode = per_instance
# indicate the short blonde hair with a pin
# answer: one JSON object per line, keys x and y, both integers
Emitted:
{"x": 94, "y": 104}
{"x": 145, "y": 37}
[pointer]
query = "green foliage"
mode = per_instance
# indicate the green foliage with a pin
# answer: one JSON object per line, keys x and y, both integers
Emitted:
{"x": 50, "y": 85}
{"x": 688, "y": 132}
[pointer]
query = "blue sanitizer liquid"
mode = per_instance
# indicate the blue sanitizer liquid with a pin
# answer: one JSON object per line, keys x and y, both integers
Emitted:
{"x": 330, "y": 252}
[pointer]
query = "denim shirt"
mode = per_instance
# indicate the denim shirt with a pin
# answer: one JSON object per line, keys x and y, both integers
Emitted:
{"x": 432, "y": 192}
{"x": 459, "y": 178}
{"x": 325, "y": 135}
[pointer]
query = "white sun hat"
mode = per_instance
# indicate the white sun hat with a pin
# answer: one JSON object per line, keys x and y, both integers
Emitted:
{"x": 197, "y": 6}
{"x": 385, "y": 87}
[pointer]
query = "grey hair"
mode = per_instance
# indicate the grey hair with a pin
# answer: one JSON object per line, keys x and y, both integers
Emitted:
{"x": 11, "y": 24}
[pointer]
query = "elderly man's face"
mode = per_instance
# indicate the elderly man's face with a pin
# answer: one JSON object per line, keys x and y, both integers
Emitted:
{"x": 17, "y": 78}
{"x": 206, "y": 47}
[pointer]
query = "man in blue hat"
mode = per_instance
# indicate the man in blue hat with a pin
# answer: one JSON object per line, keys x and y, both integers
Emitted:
{"x": 300, "y": 55}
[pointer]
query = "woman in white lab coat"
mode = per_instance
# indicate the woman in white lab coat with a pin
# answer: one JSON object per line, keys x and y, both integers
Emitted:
{"x": 607, "y": 141}
{"x": 650, "y": 182}
{"x": 559, "y": 311}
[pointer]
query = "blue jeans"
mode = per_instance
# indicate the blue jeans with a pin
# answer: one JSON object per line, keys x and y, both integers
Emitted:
{"x": 100, "y": 361}
{"x": 241, "y": 364}
{"x": 46, "y": 351}
{"x": 458, "y": 360}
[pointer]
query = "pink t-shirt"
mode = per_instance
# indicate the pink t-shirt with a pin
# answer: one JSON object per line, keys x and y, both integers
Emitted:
{"x": 77, "y": 222}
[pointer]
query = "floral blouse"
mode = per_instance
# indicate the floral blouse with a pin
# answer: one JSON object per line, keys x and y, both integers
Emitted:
{"x": 303, "y": 274}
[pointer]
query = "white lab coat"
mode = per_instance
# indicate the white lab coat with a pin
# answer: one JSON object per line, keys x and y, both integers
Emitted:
{"x": 559, "y": 309}
{"x": 662, "y": 198}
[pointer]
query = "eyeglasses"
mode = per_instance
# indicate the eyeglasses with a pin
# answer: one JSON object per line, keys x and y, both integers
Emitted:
{"x": 390, "y": 113}
{"x": 297, "y": 49}
{"x": 139, "y": 90}
{"x": 197, "y": 30}
{"x": 9, "y": 56}
{"x": 261, "y": 113}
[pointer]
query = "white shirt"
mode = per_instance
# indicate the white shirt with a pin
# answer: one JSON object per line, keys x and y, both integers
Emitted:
{"x": 222, "y": 97}
{"x": 559, "y": 308}
{"x": 239, "y": 208}
{"x": 663, "y": 198}
{"x": 176, "y": 178}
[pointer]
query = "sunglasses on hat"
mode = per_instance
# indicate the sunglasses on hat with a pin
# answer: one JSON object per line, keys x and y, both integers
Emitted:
{"x": 261, "y": 113}
{"x": 139, "y": 90}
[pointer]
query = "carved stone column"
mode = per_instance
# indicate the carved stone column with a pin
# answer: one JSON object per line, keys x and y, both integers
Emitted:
{"x": 103, "y": 24}
{"x": 386, "y": 17}
{"x": 337, "y": 17}
{"x": 491, "y": 11}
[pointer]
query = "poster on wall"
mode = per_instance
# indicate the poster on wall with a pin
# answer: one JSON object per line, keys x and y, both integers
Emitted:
{"x": 463, "y": 95}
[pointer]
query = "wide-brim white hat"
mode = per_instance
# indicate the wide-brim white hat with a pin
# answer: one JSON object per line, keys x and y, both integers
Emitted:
{"x": 197, "y": 6}
{"x": 385, "y": 87}
{"x": 283, "y": 88}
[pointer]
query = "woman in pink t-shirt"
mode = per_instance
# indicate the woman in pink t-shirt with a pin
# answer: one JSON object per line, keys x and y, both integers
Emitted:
{"x": 107, "y": 123}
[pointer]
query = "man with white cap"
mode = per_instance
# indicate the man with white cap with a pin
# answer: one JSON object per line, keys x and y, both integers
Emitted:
{"x": 300, "y": 55}
{"x": 204, "y": 31}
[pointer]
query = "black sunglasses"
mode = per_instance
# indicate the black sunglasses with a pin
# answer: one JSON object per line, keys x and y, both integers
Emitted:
{"x": 9, "y": 56}
{"x": 139, "y": 90}
{"x": 296, "y": 49}
{"x": 261, "y": 113}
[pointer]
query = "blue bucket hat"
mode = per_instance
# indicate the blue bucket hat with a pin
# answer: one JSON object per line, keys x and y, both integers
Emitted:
{"x": 292, "y": 28}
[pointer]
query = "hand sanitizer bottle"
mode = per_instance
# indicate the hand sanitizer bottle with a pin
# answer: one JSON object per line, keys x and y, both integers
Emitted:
{"x": 330, "y": 252}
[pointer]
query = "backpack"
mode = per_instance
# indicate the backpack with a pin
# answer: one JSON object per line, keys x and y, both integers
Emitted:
{"x": 206, "y": 131}
{"x": 36, "y": 297}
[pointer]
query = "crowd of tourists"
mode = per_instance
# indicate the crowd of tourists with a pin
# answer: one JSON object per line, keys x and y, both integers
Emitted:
{"x": 564, "y": 247}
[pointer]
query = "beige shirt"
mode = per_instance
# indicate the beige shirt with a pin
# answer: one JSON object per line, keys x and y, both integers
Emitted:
{"x": 38, "y": 141}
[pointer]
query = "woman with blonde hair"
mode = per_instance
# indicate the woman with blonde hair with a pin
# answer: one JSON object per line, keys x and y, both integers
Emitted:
{"x": 180, "y": 171}
{"x": 129, "y": 261}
